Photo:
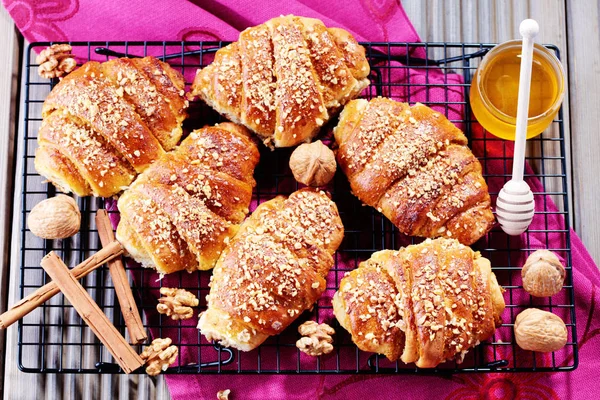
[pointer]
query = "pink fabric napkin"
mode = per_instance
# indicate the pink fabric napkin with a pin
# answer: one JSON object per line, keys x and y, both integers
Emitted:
{"x": 368, "y": 20}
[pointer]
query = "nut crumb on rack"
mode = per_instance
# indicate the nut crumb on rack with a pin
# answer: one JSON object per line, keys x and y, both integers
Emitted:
{"x": 159, "y": 355}
{"x": 223, "y": 394}
{"x": 316, "y": 338}
{"x": 176, "y": 303}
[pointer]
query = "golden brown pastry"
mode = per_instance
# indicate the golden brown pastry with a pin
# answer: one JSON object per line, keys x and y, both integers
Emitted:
{"x": 273, "y": 270}
{"x": 414, "y": 166}
{"x": 181, "y": 212}
{"x": 106, "y": 122}
{"x": 426, "y": 303}
{"x": 285, "y": 78}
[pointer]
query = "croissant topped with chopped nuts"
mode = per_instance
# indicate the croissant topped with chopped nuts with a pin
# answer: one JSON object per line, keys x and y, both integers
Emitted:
{"x": 273, "y": 270}
{"x": 182, "y": 211}
{"x": 285, "y": 78}
{"x": 425, "y": 303}
{"x": 106, "y": 122}
{"x": 414, "y": 166}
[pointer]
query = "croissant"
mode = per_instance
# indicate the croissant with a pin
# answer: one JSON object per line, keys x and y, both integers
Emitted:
{"x": 285, "y": 78}
{"x": 182, "y": 211}
{"x": 273, "y": 270}
{"x": 426, "y": 303}
{"x": 106, "y": 122}
{"x": 414, "y": 166}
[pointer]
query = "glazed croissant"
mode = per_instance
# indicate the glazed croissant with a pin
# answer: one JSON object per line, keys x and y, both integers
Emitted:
{"x": 105, "y": 123}
{"x": 414, "y": 166}
{"x": 285, "y": 78}
{"x": 182, "y": 211}
{"x": 273, "y": 270}
{"x": 426, "y": 303}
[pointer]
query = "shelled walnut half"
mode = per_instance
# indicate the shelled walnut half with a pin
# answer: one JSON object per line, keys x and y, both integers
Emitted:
{"x": 177, "y": 303}
{"x": 56, "y": 61}
{"x": 316, "y": 338}
{"x": 159, "y": 355}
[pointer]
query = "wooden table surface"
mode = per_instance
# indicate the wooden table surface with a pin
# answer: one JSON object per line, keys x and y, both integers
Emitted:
{"x": 571, "y": 25}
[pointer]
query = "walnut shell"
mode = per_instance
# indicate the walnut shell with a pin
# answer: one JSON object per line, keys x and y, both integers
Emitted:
{"x": 543, "y": 274}
{"x": 55, "y": 218}
{"x": 313, "y": 164}
{"x": 538, "y": 330}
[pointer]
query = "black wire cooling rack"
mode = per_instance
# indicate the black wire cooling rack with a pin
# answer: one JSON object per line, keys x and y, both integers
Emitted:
{"x": 54, "y": 339}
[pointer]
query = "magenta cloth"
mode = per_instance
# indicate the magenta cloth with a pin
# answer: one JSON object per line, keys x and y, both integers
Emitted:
{"x": 368, "y": 20}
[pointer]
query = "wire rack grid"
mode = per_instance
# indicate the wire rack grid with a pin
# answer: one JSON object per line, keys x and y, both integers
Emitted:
{"x": 54, "y": 339}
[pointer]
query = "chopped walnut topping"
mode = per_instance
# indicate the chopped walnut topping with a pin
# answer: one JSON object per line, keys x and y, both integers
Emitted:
{"x": 159, "y": 355}
{"x": 316, "y": 338}
{"x": 177, "y": 303}
{"x": 56, "y": 61}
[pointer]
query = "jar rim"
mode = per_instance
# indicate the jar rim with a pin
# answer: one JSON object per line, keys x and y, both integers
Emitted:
{"x": 538, "y": 50}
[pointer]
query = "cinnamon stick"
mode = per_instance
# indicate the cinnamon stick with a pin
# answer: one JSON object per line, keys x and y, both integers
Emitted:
{"x": 131, "y": 315}
{"x": 46, "y": 292}
{"x": 89, "y": 311}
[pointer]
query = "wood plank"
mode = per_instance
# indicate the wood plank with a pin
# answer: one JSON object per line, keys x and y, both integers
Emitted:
{"x": 584, "y": 79}
{"x": 9, "y": 48}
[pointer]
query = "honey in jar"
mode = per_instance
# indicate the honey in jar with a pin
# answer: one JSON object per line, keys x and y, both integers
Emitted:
{"x": 495, "y": 88}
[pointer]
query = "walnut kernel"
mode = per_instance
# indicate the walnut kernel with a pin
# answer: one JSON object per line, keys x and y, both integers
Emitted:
{"x": 316, "y": 338}
{"x": 313, "y": 164}
{"x": 55, "y": 218}
{"x": 159, "y": 355}
{"x": 177, "y": 303}
{"x": 538, "y": 330}
{"x": 543, "y": 274}
{"x": 55, "y": 61}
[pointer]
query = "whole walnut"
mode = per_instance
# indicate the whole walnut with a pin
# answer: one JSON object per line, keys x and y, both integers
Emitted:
{"x": 538, "y": 330}
{"x": 543, "y": 274}
{"x": 55, "y": 218}
{"x": 313, "y": 164}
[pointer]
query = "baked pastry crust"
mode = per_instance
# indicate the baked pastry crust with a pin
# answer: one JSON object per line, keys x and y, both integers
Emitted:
{"x": 414, "y": 166}
{"x": 181, "y": 212}
{"x": 106, "y": 122}
{"x": 285, "y": 78}
{"x": 426, "y": 303}
{"x": 273, "y": 270}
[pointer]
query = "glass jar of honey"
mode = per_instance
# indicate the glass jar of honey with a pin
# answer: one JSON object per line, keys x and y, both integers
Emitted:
{"x": 495, "y": 88}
